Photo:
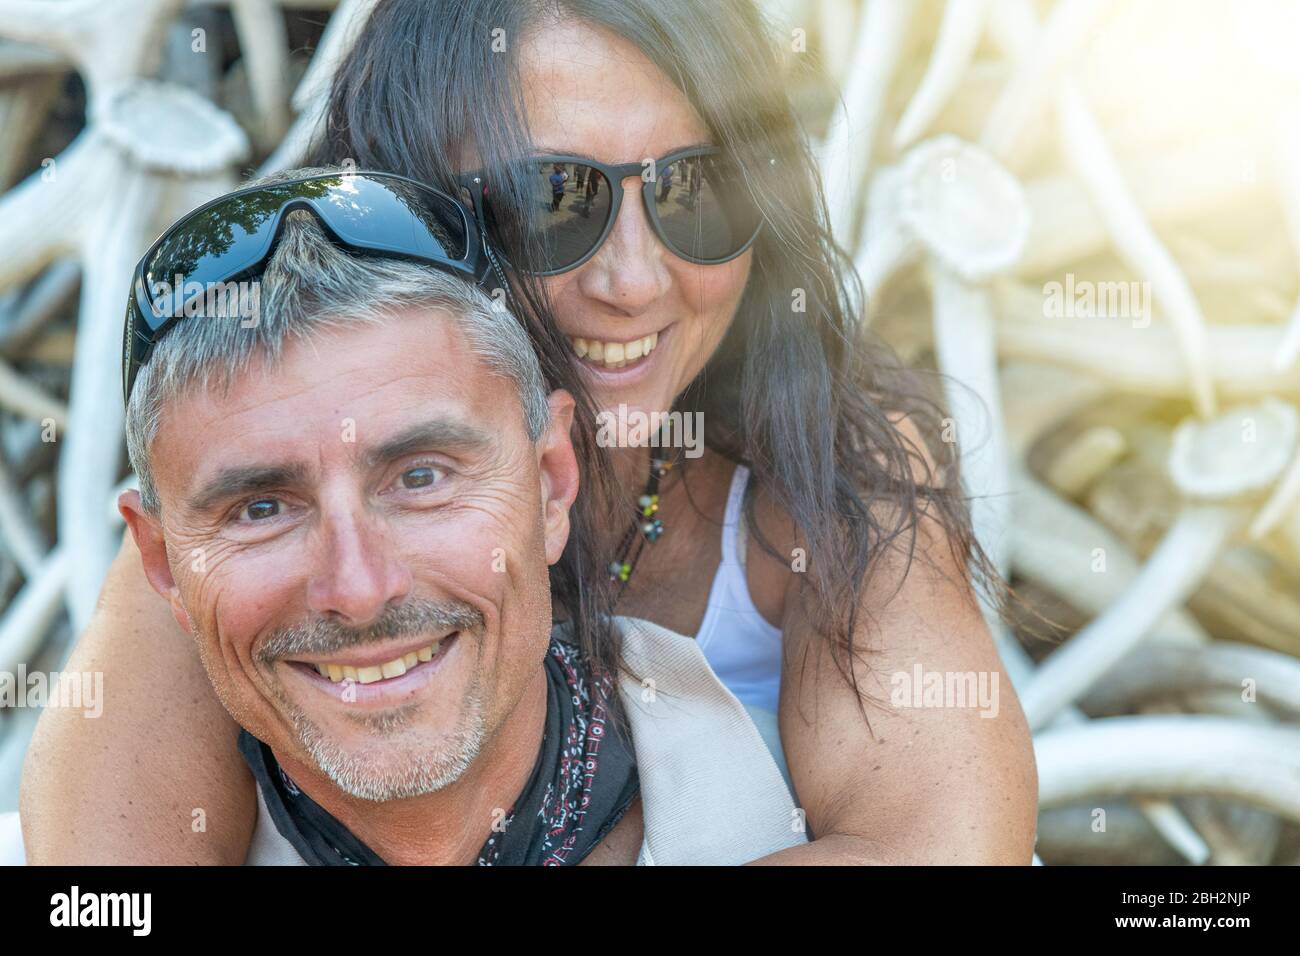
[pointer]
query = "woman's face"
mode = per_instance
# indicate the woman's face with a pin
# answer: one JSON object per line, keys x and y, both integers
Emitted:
{"x": 590, "y": 93}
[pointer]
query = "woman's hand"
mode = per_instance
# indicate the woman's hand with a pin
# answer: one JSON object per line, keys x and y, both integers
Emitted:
{"x": 157, "y": 777}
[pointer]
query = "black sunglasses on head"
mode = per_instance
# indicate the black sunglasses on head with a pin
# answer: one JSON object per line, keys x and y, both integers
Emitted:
{"x": 230, "y": 239}
{"x": 696, "y": 199}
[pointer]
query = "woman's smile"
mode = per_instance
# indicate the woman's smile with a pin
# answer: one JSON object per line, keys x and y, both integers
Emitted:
{"x": 610, "y": 363}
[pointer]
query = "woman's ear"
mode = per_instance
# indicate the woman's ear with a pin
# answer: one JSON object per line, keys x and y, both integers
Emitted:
{"x": 147, "y": 531}
{"x": 557, "y": 468}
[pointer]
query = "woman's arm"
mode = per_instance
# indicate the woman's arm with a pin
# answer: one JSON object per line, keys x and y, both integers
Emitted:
{"x": 157, "y": 777}
{"x": 920, "y": 784}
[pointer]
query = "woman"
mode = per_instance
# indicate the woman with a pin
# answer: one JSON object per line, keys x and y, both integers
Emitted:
{"x": 817, "y": 546}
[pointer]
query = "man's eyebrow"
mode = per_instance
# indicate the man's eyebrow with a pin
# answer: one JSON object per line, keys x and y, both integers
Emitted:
{"x": 239, "y": 481}
{"x": 437, "y": 435}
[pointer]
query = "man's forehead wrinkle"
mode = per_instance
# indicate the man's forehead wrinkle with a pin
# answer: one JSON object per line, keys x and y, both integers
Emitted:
{"x": 204, "y": 407}
{"x": 326, "y": 380}
{"x": 263, "y": 405}
{"x": 455, "y": 391}
{"x": 443, "y": 337}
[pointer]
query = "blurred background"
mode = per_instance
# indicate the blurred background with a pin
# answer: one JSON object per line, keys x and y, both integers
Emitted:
{"x": 1085, "y": 212}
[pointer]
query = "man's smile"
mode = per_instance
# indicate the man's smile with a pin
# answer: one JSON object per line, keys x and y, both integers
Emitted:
{"x": 378, "y": 676}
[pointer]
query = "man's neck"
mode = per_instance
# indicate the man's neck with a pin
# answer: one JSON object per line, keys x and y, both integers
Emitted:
{"x": 449, "y": 826}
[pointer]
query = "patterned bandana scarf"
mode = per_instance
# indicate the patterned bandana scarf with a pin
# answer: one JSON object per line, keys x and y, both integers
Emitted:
{"x": 582, "y": 784}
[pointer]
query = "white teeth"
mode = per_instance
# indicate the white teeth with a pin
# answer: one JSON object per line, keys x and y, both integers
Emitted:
{"x": 614, "y": 354}
{"x": 368, "y": 675}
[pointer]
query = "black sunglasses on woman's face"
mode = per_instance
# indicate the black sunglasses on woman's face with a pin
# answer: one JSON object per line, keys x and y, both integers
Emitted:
{"x": 696, "y": 199}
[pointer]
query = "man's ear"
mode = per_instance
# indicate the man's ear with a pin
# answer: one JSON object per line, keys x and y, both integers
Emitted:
{"x": 148, "y": 534}
{"x": 557, "y": 468}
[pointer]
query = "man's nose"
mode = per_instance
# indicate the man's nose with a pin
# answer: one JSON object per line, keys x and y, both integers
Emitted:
{"x": 359, "y": 571}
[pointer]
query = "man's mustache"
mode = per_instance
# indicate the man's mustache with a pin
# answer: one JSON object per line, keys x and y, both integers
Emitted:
{"x": 411, "y": 618}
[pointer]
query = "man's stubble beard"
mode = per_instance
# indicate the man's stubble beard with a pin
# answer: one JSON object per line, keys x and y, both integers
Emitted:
{"x": 402, "y": 775}
{"x": 416, "y": 771}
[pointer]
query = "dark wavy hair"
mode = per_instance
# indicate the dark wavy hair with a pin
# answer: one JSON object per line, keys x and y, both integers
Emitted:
{"x": 804, "y": 398}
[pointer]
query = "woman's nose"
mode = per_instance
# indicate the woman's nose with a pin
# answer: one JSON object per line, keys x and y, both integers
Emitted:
{"x": 629, "y": 273}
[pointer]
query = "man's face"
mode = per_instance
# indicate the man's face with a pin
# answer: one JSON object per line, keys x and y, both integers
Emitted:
{"x": 371, "y": 507}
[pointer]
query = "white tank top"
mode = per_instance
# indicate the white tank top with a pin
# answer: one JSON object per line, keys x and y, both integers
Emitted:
{"x": 743, "y": 649}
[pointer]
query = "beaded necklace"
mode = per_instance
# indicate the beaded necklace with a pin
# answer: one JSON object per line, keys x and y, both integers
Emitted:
{"x": 646, "y": 526}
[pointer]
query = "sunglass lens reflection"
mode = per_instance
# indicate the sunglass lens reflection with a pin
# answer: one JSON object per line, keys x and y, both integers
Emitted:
{"x": 704, "y": 211}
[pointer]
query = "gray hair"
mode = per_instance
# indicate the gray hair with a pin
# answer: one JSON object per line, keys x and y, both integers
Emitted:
{"x": 310, "y": 285}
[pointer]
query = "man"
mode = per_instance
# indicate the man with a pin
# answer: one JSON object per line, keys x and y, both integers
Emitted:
{"x": 351, "y": 503}
{"x": 557, "y": 178}
{"x": 665, "y": 183}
